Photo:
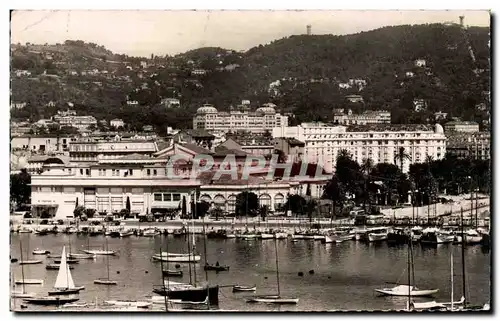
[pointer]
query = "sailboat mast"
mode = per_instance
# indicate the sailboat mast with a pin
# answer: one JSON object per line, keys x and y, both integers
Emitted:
{"x": 162, "y": 278}
{"x": 277, "y": 266}
{"x": 412, "y": 262}
{"x": 409, "y": 275}
{"x": 22, "y": 265}
{"x": 463, "y": 253}
{"x": 189, "y": 256}
{"x": 451, "y": 272}
{"x": 193, "y": 249}
{"x": 107, "y": 256}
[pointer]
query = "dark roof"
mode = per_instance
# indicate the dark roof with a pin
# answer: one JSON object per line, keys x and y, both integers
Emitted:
{"x": 53, "y": 160}
{"x": 199, "y": 133}
{"x": 197, "y": 149}
{"x": 223, "y": 152}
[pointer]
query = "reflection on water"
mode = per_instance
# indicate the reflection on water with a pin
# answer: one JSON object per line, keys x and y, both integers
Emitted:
{"x": 344, "y": 277}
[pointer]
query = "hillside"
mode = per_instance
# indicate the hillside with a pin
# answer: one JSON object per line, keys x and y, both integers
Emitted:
{"x": 306, "y": 75}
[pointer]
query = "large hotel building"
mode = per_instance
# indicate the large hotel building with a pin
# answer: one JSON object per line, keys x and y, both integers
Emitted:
{"x": 263, "y": 118}
{"x": 380, "y": 142}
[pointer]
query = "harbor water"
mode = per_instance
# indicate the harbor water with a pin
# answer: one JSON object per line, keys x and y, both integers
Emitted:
{"x": 335, "y": 276}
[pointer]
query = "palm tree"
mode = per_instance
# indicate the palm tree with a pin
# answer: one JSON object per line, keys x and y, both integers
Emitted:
{"x": 401, "y": 156}
{"x": 344, "y": 153}
{"x": 367, "y": 167}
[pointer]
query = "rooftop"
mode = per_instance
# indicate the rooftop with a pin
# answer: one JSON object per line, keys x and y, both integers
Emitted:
{"x": 389, "y": 127}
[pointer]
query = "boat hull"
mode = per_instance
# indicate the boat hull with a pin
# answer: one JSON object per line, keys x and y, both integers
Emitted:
{"x": 29, "y": 281}
{"x": 105, "y": 282}
{"x": 30, "y": 262}
{"x": 273, "y": 300}
{"x": 238, "y": 288}
{"x": 412, "y": 292}
{"x": 51, "y": 300}
{"x": 67, "y": 291}
{"x": 178, "y": 259}
{"x": 195, "y": 294}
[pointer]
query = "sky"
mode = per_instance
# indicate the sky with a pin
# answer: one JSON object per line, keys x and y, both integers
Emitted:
{"x": 143, "y": 32}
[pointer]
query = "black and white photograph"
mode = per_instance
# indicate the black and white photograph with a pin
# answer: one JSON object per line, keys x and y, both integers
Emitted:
{"x": 250, "y": 161}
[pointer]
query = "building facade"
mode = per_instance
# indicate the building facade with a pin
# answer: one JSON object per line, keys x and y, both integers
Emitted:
{"x": 469, "y": 145}
{"x": 367, "y": 117}
{"x": 40, "y": 144}
{"x": 264, "y": 118}
{"x": 461, "y": 126}
{"x": 92, "y": 149}
{"x": 381, "y": 143}
{"x": 80, "y": 122}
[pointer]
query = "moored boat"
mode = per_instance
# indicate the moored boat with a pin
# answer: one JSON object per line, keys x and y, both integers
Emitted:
{"x": 244, "y": 288}
{"x": 64, "y": 284}
{"x": 100, "y": 252}
{"x": 51, "y": 300}
{"x": 105, "y": 281}
{"x": 188, "y": 292}
{"x": 216, "y": 267}
{"x": 178, "y": 259}
{"x": 55, "y": 267}
{"x": 275, "y": 299}
{"x": 405, "y": 290}
{"x": 472, "y": 237}
{"x": 40, "y": 252}
{"x": 172, "y": 273}
{"x": 25, "y": 262}
{"x": 29, "y": 281}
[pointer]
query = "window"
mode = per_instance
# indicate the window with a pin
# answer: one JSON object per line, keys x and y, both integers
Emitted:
{"x": 87, "y": 171}
{"x": 176, "y": 197}
{"x": 158, "y": 197}
{"x": 167, "y": 197}
{"x": 131, "y": 172}
{"x": 148, "y": 171}
{"x": 154, "y": 172}
{"x": 81, "y": 171}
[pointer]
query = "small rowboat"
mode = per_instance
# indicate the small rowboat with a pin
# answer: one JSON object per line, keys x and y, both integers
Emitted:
{"x": 172, "y": 273}
{"x": 217, "y": 268}
{"x": 243, "y": 288}
{"x": 55, "y": 267}
{"x": 274, "y": 299}
{"x": 105, "y": 282}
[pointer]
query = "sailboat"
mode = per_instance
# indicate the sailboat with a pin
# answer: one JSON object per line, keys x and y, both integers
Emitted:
{"x": 407, "y": 290}
{"x": 23, "y": 262}
{"x": 193, "y": 294}
{"x": 64, "y": 281}
{"x": 20, "y": 294}
{"x": 433, "y": 305}
{"x": 275, "y": 299}
{"x": 106, "y": 281}
{"x": 24, "y": 280}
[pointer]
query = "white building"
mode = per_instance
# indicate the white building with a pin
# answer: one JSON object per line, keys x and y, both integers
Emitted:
{"x": 17, "y": 105}
{"x": 264, "y": 118}
{"x": 381, "y": 143}
{"x": 80, "y": 122}
{"x": 93, "y": 149}
{"x": 367, "y": 117}
{"x": 116, "y": 123}
{"x": 462, "y": 126}
{"x": 171, "y": 102}
{"x": 107, "y": 184}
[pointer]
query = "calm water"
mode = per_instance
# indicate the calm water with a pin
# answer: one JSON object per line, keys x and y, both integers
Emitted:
{"x": 344, "y": 279}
